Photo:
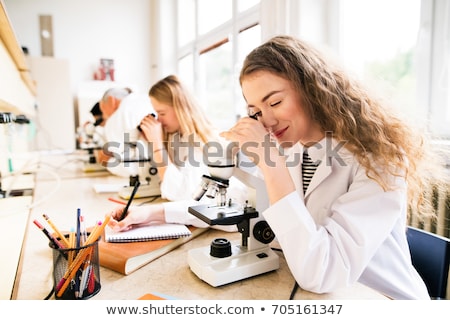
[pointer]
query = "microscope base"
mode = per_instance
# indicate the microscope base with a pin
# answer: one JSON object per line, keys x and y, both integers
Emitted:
{"x": 240, "y": 265}
{"x": 144, "y": 191}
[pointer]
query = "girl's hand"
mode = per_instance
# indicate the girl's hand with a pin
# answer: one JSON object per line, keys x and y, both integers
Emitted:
{"x": 253, "y": 140}
{"x": 137, "y": 216}
{"x": 152, "y": 130}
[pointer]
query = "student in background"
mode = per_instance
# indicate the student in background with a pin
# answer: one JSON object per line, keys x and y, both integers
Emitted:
{"x": 91, "y": 133}
{"x": 177, "y": 139}
{"x": 122, "y": 112}
{"x": 362, "y": 168}
{"x": 97, "y": 114}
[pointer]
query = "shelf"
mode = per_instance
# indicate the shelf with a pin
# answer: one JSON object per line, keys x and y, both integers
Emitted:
{"x": 15, "y": 50}
{"x": 17, "y": 89}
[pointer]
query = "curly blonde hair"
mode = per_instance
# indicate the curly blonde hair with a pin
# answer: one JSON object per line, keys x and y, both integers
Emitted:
{"x": 342, "y": 106}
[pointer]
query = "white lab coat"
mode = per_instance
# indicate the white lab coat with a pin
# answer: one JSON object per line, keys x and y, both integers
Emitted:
{"x": 345, "y": 228}
{"x": 122, "y": 126}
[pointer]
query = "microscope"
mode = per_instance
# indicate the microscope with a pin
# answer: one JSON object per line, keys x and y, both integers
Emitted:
{"x": 139, "y": 165}
{"x": 90, "y": 140}
{"x": 223, "y": 262}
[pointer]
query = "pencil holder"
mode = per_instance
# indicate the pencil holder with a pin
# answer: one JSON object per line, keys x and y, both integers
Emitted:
{"x": 76, "y": 272}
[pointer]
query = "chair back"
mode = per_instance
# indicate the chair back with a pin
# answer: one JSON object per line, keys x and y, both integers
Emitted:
{"x": 430, "y": 254}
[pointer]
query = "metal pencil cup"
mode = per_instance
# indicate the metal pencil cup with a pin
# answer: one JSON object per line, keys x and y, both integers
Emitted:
{"x": 76, "y": 272}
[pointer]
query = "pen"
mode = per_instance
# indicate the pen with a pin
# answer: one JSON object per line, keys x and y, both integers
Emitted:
{"x": 91, "y": 280}
{"x": 83, "y": 230}
{"x": 125, "y": 210}
{"x": 55, "y": 242}
{"x": 78, "y": 239}
{"x": 84, "y": 275}
{"x": 78, "y": 245}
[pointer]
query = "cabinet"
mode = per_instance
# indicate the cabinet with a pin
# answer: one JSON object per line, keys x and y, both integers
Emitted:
{"x": 17, "y": 89}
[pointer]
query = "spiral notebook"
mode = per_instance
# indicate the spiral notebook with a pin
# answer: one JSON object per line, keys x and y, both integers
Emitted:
{"x": 148, "y": 233}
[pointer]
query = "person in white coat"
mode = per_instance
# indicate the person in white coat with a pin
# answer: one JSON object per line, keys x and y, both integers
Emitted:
{"x": 178, "y": 139}
{"x": 123, "y": 111}
{"x": 343, "y": 219}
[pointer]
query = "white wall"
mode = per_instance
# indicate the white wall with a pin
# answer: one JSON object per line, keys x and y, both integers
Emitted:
{"x": 54, "y": 121}
{"x": 85, "y": 31}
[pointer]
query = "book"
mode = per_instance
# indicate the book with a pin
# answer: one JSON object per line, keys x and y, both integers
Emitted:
{"x": 127, "y": 257}
{"x": 147, "y": 233}
{"x": 156, "y": 296}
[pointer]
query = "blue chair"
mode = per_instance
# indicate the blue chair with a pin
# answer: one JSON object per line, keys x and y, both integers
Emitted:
{"x": 430, "y": 254}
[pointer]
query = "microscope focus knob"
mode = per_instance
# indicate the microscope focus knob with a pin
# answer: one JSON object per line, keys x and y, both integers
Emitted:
{"x": 220, "y": 248}
{"x": 152, "y": 171}
{"x": 262, "y": 232}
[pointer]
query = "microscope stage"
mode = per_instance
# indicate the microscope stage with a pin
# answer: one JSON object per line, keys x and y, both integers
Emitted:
{"x": 222, "y": 215}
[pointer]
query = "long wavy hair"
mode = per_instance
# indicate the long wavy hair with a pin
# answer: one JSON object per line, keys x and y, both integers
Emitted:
{"x": 383, "y": 143}
{"x": 191, "y": 117}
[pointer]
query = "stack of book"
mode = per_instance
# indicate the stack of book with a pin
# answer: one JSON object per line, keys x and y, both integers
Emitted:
{"x": 126, "y": 252}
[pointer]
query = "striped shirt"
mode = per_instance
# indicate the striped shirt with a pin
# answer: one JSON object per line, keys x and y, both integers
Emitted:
{"x": 308, "y": 169}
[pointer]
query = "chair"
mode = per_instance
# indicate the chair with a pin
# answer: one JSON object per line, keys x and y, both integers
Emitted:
{"x": 430, "y": 254}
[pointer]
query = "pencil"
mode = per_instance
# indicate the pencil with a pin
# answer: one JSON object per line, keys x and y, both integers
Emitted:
{"x": 71, "y": 246}
{"x": 55, "y": 241}
{"x": 117, "y": 201}
{"x": 125, "y": 210}
{"x": 59, "y": 233}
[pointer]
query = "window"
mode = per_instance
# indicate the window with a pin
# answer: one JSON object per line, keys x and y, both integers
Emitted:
{"x": 213, "y": 13}
{"x": 186, "y": 21}
{"x": 186, "y": 70}
{"x": 246, "y": 4}
{"x": 215, "y": 68}
{"x": 211, "y": 48}
{"x": 388, "y": 45}
{"x": 380, "y": 47}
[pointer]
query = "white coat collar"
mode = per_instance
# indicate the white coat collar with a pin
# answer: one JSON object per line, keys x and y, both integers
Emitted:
{"x": 323, "y": 153}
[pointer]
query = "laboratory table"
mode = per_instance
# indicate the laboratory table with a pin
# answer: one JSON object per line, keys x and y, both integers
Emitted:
{"x": 61, "y": 187}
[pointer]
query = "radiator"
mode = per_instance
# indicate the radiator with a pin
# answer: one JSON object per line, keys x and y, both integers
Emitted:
{"x": 441, "y": 199}
{"x": 441, "y": 223}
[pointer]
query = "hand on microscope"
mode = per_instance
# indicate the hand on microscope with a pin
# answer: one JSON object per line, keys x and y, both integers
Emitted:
{"x": 151, "y": 128}
{"x": 257, "y": 142}
{"x": 136, "y": 216}
{"x": 252, "y": 138}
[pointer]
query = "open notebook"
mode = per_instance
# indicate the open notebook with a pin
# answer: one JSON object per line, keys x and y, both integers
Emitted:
{"x": 148, "y": 233}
